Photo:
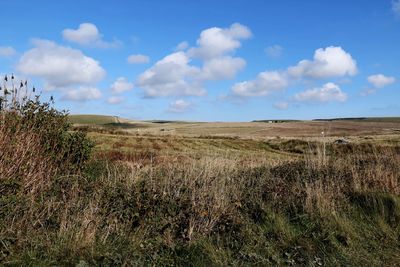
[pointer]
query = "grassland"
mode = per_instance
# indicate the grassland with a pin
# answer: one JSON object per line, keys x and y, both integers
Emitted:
{"x": 91, "y": 119}
{"x": 219, "y": 194}
{"x": 352, "y": 129}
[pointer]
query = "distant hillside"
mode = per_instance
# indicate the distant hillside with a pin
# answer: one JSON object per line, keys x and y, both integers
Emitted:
{"x": 166, "y": 121}
{"x": 275, "y": 121}
{"x": 371, "y": 119}
{"x": 92, "y": 119}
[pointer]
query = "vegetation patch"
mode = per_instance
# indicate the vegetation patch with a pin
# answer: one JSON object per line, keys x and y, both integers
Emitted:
{"x": 189, "y": 201}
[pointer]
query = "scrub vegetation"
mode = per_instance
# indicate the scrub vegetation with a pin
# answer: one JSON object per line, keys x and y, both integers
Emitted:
{"x": 88, "y": 196}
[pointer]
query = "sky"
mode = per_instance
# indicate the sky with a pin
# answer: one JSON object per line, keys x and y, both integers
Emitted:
{"x": 237, "y": 60}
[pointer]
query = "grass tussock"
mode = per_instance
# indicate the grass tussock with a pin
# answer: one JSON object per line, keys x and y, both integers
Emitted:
{"x": 151, "y": 207}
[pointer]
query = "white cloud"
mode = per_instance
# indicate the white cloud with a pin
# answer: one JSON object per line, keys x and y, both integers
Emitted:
{"x": 266, "y": 83}
{"x": 328, "y": 62}
{"x": 396, "y": 6}
{"x": 7, "y": 51}
{"x": 274, "y": 51}
{"x": 82, "y": 94}
{"x": 171, "y": 76}
{"x": 179, "y": 106}
{"x": 215, "y": 42}
{"x": 87, "y": 34}
{"x": 114, "y": 100}
{"x": 121, "y": 85}
{"x": 222, "y": 68}
{"x": 59, "y": 66}
{"x": 328, "y": 92}
{"x": 281, "y": 105}
{"x": 174, "y": 75}
{"x": 380, "y": 80}
{"x": 138, "y": 59}
{"x": 182, "y": 46}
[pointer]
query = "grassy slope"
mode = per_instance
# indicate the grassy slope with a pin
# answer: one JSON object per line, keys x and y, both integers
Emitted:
{"x": 192, "y": 201}
{"x": 365, "y": 233}
{"x": 91, "y": 119}
{"x": 158, "y": 211}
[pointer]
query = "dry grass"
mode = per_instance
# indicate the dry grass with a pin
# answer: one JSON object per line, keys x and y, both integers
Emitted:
{"x": 22, "y": 155}
{"x": 158, "y": 201}
{"x": 178, "y": 200}
{"x": 248, "y": 130}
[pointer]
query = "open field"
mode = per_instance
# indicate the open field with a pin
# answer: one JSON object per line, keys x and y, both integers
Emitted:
{"x": 308, "y": 130}
{"x": 194, "y": 194}
{"x": 199, "y": 133}
{"x": 336, "y": 128}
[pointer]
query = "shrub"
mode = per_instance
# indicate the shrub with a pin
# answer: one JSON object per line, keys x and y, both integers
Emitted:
{"x": 35, "y": 139}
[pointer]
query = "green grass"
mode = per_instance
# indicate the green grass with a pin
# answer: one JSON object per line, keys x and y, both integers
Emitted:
{"x": 172, "y": 200}
{"x": 111, "y": 221}
{"x": 91, "y": 119}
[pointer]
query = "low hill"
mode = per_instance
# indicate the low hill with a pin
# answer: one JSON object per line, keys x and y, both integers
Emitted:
{"x": 93, "y": 119}
{"x": 367, "y": 119}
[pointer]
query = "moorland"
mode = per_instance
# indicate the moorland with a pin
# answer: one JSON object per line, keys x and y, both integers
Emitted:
{"x": 84, "y": 190}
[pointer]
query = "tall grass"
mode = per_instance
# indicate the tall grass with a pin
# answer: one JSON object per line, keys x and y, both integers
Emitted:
{"x": 122, "y": 213}
{"x": 206, "y": 209}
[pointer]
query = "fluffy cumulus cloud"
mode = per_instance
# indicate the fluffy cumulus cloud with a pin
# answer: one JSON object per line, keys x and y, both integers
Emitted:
{"x": 138, "y": 59}
{"x": 274, "y": 51}
{"x": 121, "y": 85}
{"x": 176, "y": 75}
{"x": 7, "y": 51}
{"x": 171, "y": 76}
{"x": 327, "y": 63}
{"x": 82, "y": 94}
{"x": 380, "y": 80}
{"x": 222, "y": 68}
{"x": 59, "y": 66}
{"x": 179, "y": 106}
{"x": 266, "y": 83}
{"x": 327, "y": 93}
{"x": 114, "y": 100}
{"x": 215, "y": 42}
{"x": 87, "y": 34}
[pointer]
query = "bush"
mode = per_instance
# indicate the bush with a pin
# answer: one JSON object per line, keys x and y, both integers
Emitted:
{"x": 35, "y": 139}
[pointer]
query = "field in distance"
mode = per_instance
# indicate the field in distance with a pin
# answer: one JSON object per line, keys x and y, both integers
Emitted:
{"x": 258, "y": 129}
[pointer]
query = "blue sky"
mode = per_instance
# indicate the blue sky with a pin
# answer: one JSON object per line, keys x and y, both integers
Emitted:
{"x": 208, "y": 60}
